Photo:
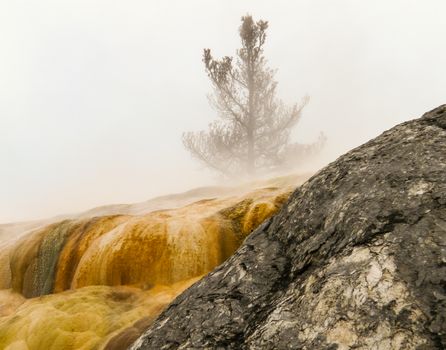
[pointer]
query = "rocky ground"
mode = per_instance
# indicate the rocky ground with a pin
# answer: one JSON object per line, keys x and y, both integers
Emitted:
{"x": 355, "y": 259}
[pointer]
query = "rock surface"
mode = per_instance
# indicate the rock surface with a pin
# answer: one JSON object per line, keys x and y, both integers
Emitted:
{"x": 355, "y": 259}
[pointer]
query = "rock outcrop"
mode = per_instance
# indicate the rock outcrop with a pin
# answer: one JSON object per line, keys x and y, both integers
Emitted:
{"x": 355, "y": 259}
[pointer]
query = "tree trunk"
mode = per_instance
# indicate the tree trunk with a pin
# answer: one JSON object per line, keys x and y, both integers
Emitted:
{"x": 251, "y": 119}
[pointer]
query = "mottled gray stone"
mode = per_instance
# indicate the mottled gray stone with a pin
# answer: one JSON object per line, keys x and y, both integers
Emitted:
{"x": 355, "y": 259}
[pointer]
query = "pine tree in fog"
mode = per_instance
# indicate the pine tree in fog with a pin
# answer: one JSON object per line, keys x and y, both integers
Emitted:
{"x": 253, "y": 130}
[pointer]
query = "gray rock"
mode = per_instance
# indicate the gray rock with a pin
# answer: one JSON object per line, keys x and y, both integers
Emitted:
{"x": 355, "y": 259}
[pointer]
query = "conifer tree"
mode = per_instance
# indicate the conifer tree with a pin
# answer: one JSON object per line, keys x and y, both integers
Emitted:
{"x": 252, "y": 133}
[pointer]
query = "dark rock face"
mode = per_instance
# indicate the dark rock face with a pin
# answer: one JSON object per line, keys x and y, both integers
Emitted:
{"x": 355, "y": 259}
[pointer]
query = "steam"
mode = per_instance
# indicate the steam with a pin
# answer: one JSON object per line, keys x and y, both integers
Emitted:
{"x": 94, "y": 95}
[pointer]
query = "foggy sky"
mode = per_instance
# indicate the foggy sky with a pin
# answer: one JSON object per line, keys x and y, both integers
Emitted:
{"x": 94, "y": 95}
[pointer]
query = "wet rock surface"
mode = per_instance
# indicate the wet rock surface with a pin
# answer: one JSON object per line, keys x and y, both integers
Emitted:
{"x": 355, "y": 259}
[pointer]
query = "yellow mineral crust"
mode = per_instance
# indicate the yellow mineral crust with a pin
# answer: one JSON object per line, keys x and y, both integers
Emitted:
{"x": 161, "y": 247}
{"x": 96, "y": 283}
{"x": 84, "y": 318}
{"x": 78, "y": 243}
